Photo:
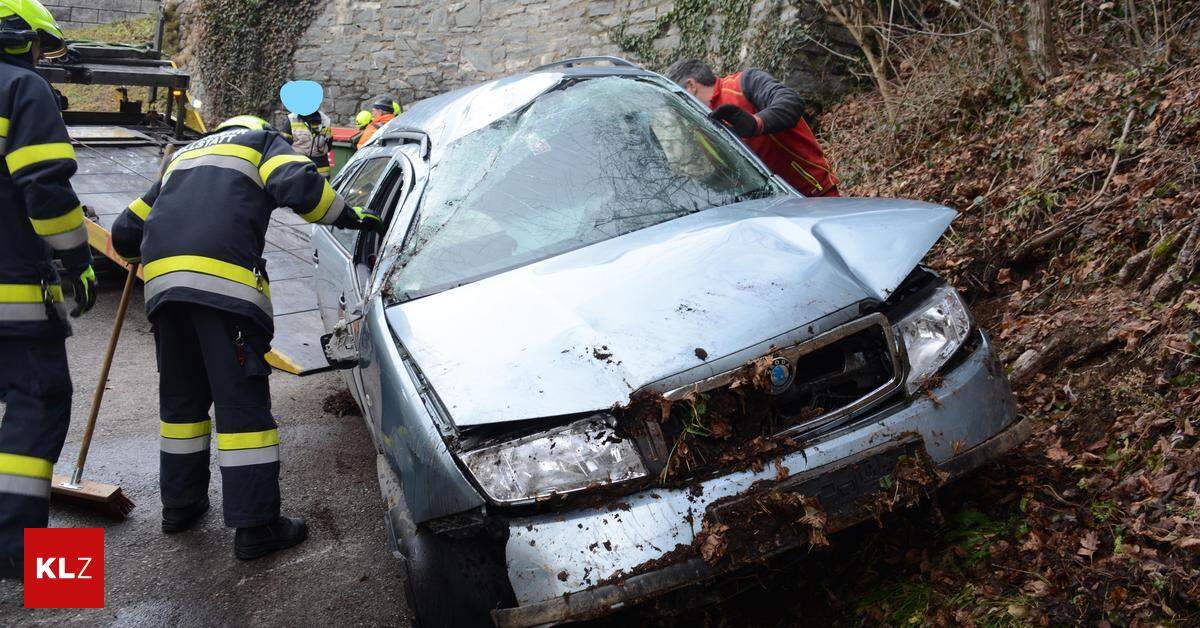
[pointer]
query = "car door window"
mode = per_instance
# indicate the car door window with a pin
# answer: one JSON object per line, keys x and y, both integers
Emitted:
{"x": 386, "y": 204}
{"x": 357, "y": 192}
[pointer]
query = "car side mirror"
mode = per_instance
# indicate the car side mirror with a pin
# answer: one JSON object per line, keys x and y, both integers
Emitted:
{"x": 341, "y": 347}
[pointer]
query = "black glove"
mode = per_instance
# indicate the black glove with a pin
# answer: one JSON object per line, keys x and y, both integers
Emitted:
{"x": 743, "y": 122}
{"x": 83, "y": 285}
{"x": 63, "y": 102}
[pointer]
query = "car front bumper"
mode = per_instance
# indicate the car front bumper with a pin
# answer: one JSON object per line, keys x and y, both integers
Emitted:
{"x": 569, "y": 566}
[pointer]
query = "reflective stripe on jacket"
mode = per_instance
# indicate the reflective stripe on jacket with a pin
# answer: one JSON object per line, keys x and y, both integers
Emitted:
{"x": 40, "y": 216}
{"x": 792, "y": 153}
{"x": 200, "y": 230}
{"x": 313, "y": 141}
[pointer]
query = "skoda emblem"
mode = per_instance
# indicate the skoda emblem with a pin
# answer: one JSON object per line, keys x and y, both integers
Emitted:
{"x": 781, "y": 375}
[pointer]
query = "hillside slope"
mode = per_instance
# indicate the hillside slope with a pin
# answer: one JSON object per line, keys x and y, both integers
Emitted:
{"x": 1078, "y": 245}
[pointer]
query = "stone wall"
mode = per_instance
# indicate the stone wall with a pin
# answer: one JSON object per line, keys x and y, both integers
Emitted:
{"x": 414, "y": 49}
{"x": 81, "y": 13}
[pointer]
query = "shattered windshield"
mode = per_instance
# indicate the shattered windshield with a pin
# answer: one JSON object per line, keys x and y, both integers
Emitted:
{"x": 589, "y": 161}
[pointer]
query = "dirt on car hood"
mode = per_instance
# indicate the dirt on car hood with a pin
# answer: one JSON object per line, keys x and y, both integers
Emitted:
{"x": 582, "y": 331}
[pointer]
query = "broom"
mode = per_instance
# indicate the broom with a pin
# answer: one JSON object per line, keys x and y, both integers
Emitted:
{"x": 106, "y": 497}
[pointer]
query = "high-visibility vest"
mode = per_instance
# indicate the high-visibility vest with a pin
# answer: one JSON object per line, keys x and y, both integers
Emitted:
{"x": 313, "y": 141}
{"x": 376, "y": 124}
{"x": 793, "y": 154}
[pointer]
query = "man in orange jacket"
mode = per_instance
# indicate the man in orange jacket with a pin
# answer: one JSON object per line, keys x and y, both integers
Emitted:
{"x": 385, "y": 109}
{"x": 766, "y": 114}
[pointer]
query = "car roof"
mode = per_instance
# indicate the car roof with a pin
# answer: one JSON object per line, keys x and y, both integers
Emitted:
{"x": 446, "y": 117}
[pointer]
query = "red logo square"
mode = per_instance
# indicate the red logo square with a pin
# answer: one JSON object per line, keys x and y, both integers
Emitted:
{"x": 64, "y": 568}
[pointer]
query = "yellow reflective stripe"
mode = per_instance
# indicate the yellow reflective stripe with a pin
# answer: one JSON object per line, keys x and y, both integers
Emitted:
{"x": 3, "y": 126}
{"x": 186, "y": 430}
{"x": 226, "y": 150}
{"x": 322, "y": 207}
{"x": 27, "y": 293}
{"x": 140, "y": 208}
{"x": 296, "y": 126}
{"x": 26, "y": 466}
{"x": 273, "y": 163}
{"x": 208, "y": 266}
{"x": 29, "y": 155}
{"x": 247, "y": 440}
{"x": 19, "y": 50}
{"x": 54, "y": 226}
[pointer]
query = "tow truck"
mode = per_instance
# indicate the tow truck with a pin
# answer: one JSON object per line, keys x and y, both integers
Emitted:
{"x": 120, "y": 155}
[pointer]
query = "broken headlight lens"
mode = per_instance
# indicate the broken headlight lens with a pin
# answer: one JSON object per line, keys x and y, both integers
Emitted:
{"x": 578, "y": 456}
{"x": 932, "y": 333}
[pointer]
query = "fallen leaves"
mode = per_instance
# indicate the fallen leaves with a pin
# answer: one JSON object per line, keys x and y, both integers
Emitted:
{"x": 1058, "y": 455}
{"x": 913, "y": 478}
{"x": 712, "y": 542}
{"x": 1107, "y": 513}
{"x": 1088, "y": 544}
{"x": 752, "y": 526}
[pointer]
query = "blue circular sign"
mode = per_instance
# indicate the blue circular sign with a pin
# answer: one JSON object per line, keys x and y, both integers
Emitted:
{"x": 782, "y": 375}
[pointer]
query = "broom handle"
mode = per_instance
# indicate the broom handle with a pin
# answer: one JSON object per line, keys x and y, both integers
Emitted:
{"x": 77, "y": 474}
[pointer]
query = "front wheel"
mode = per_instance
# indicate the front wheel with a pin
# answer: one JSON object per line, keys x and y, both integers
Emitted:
{"x": 455, "y": 582}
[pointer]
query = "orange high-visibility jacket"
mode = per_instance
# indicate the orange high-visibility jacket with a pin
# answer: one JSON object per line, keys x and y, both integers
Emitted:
{"x": 792, "y": 151}
{"x": 375, "y": 125}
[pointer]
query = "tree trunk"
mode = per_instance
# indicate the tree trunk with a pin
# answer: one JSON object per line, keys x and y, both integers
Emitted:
{"x": 864, "y": 29}
{"x": 1039, "y": 37}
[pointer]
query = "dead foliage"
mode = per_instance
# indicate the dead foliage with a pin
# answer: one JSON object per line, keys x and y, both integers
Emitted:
{"x": 915, "y": 477}
{"x": 340, "y": 403}
{"x": 754, "y": 526}
{"x": 725, "y": 429}
{"x": 1079, "y": 247}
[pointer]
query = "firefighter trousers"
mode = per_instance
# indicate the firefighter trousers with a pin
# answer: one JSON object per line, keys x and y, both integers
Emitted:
{"x": 210, "y": 357}
{"x": 35, "y": 386}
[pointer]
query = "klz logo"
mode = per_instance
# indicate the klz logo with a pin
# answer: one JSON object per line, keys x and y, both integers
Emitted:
{"x": 64, "y": 568}
{"x": 46, "y": 569}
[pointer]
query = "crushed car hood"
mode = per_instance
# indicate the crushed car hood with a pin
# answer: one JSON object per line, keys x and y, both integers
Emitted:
{"x": 581, "y": 331}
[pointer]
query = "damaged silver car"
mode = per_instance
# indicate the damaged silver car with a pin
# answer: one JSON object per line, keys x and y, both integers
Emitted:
{"x": 605, "y": 354}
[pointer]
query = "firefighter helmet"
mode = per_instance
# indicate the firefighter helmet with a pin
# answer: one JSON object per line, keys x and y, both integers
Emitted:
{"x": 254, "y": 123}
{"x": 24, "y": 21}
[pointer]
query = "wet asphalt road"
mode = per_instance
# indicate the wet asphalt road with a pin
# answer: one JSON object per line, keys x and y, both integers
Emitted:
{"x": 343, "y": 575}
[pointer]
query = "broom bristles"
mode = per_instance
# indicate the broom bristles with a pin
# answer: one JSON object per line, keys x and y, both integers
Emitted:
{"x": 107, "y": 498}
{"x": 120, "y": 505}
{"x": 117, "y": 505}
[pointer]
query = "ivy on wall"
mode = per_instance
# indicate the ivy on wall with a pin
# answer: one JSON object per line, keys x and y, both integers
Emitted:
{"x": 776, "y": 46}
{"x": 245, "y": 51}
{"x": 696, "y": 22}
{"x": 172, "y": 41}
{"x": 791, "y": 39}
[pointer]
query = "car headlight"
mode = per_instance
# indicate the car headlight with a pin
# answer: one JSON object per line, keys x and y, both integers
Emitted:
{"x": 581, "y": 455}
{"x": 932, "y": 333}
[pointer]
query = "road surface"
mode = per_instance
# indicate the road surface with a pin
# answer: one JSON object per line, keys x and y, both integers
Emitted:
{"x": 343, "y": 575}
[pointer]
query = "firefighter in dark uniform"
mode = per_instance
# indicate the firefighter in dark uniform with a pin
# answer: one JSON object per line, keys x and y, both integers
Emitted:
{"x": 199, "y": 233}
{"x": 40, "y": 219}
